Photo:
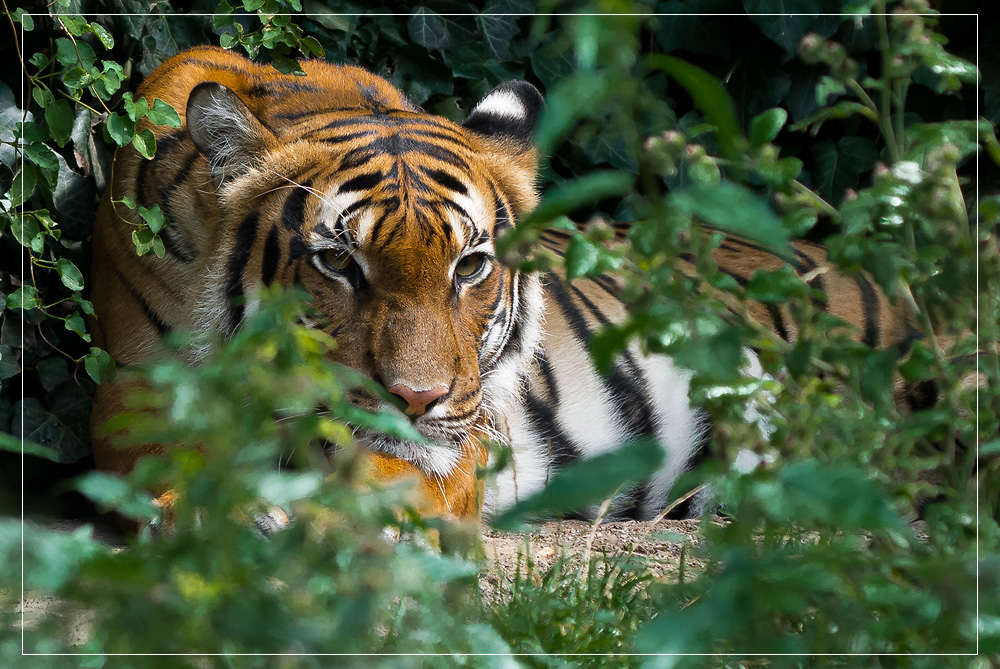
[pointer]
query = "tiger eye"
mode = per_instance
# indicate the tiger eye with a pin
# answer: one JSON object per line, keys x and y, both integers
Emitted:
{"x": 338, "y": 260}
{"x": 470, "y": 265}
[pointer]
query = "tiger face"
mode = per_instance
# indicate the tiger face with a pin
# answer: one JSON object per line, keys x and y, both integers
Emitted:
{"x": 388, "y": 217}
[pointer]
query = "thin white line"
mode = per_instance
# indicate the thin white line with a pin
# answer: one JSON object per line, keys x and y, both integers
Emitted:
{"x": 20, "y": 147}
{"x": 975, "y": 245}
{"x": 23, "y": 254}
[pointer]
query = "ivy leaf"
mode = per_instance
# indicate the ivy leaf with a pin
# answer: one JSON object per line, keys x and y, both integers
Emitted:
{"x": 75, "y": 323}
{"x": 120, "y": 128}
{"x": 162, "y": 113}
{"x": 70, "y": 274}
{"x": 106, "y": 39}
{"x": 25, "y": 229}
{"x": 497, "y": 32}
{"x": 428, "y": 29}
{"x": 25, "y": 297}
{"x": 145, "y": 143}
{"x": 99, "y": 365}
{"x": 312, "y": 45}
{"x": 22, "y": 17}
{"x": 8, "y": 362}
{"x": 59, "y": 117}
{"x": 143, "y": 240}
{"x": 783, "y": 22}
{"x": 836, "y": 167}
{"x": 23, "y": 185}
{"x": 45, "y": 429}
{"x": 85, "y": 305}
{"x": 153, "y": 217}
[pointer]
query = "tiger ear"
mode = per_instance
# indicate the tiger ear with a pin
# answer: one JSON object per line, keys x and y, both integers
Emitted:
{"x": 506, "y": 119}
{"x": 508, "y": 112}
{"x": 225, "y": 130}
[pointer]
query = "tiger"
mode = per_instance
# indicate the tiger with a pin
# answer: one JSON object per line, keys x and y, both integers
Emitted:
{"x": 388, "y": 217}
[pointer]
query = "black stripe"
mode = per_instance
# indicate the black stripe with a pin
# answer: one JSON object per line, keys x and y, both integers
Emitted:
{"x": 397, "y": 145}
{"x": 361, "y": 182}
{"x": 150, "y": 314}
{"x": 246, "y": 234}
{"x": 446, "y": 180}
{"x": 272, "y": 254}
{"x": 627, "y": 386}
{"x": 779, "y": 321}
{"x": 340, "y": 139}
{"x": 561, "y": 449}
{"x": 869, "y": 299}
{"x": 293, "y": 213}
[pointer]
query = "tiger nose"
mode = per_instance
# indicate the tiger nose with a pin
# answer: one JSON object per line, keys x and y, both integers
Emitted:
{"x": 417, "y": 400}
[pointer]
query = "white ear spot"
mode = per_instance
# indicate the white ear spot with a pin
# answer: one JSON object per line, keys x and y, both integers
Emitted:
{"x": 502, "y": 103}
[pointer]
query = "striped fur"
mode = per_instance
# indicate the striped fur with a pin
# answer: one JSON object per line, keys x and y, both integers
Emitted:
{"x": 387, "y": 216}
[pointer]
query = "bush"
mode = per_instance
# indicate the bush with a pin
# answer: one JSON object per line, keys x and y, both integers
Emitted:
{"x": 859, "y": 132}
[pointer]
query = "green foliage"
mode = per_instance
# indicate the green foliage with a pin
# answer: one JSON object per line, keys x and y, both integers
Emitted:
{"x": 855, "y": 131}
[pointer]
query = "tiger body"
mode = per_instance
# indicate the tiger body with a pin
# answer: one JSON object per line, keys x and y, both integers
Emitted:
{"x": 388, "y": 216}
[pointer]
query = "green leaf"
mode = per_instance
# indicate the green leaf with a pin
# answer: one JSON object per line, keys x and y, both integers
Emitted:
{"x": 776, "y": 286}
{"x": 582, "y": 257}
{"x": 143, "y": 240}
{"x": 145, "y": 143}
{"x": 70, "y": 274}
{"x": 711, "y": 99}
{"x": 428, "y": 29}
{"x": 120, "y": 128}
{"x": 77, "y": 77}
{"x": 587, "y": 482}
{"x": 328, "y": 18}
{"x": 75, "y": 323}
{"x": 25, "y": 229}
{"x": 9, "y": 365}
{"x": 59, "y": 117}
{"x": 838, "y": 166}
{"x": 497, "y": 33}
{"x": 52, "y": 558}
{"x": 989, "y": 449}
{"x": 112, "y": 493}
{"x": 22, "y": 17}
{"x": 784, "y": 22}
{"x": 25, "y": 297}
{"x": 153, "y": 217}
{"x": 765, "y": 126}
{"x": 14, "y": 444}
{"x": 734, "y": 209}
{"x": 99, "y": 365}
{"x": 45, "y": 429}
{"x": 106, "y": 39}
{"x": 23, "y": 185}
{"x": 311, "y": 44}
{"x": 587, "y": 189}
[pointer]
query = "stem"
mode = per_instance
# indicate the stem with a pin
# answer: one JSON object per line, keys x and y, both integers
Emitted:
{"x": 885, "y": 110}
{"x": 79, "y": 102}
{"x": 824, "y": 206}
{"x": 17, "y": 45}
{"x": 79, "y": 59}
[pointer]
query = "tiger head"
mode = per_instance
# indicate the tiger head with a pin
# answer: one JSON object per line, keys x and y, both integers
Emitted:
{"x": 388, "y": 217}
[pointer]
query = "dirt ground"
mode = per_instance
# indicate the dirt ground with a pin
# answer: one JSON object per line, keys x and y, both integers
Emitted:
{"x": 658, "y": 545}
